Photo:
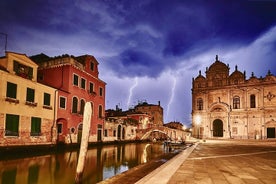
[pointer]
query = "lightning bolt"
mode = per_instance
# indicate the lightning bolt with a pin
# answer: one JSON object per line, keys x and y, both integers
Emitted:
{"x": 131, "y": 91}
{"x": 172, "y": 96}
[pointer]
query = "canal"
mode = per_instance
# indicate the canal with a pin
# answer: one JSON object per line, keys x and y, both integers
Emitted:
{"x": 102, "y": 162}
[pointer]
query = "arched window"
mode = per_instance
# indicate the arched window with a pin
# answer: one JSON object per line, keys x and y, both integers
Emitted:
{"x": 100, "y": 111}
{"x": 82, "y": 103}
{"x": 236, "y": 102}
{"x": 252, "y": 101}
{"x": 75, "y": 105}
{"x": 199, "y": 104}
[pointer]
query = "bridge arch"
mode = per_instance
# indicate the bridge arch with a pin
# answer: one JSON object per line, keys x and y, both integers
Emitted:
{"x": 147, "y": 134}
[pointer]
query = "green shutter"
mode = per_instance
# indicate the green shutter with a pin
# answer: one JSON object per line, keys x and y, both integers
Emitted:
{"x": 36, "y": 126}
{"x": 30, "y": 95}
{"x": 12, "y": 124}
{"x": 11, "y": 90}
{"x": 47, "y": 98}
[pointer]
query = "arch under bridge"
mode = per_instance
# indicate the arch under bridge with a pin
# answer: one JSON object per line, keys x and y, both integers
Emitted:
{"x": 162, "y": 133}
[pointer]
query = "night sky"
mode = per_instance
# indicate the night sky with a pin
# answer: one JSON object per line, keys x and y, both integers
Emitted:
{"x": 148, "y": 50}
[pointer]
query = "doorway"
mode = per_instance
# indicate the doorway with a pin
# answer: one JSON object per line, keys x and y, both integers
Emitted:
{"x": 217, "y": 128}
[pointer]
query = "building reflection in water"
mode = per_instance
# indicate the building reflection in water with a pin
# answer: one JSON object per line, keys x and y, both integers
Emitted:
{"x": 101, "y": 163}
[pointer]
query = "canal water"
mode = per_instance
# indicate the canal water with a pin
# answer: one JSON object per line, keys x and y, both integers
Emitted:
{"x": 102, "y": 162}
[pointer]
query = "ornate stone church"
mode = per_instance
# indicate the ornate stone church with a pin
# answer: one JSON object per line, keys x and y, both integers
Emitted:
{"x": 229, "y": 106}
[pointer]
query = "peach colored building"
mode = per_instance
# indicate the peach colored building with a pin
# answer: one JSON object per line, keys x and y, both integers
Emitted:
{"x": 27, "y": 108}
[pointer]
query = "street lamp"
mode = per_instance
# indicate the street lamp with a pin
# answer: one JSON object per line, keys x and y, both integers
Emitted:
{"x": 198, "y": 122}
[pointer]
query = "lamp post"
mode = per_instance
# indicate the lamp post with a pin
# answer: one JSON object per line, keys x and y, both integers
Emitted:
{"x": 198, "y": 122}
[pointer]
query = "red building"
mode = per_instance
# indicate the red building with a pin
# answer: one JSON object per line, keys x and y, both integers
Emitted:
{"x": 76, "y": 81}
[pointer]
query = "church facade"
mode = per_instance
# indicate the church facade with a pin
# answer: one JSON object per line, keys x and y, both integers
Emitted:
{"x": 229, "y": 106}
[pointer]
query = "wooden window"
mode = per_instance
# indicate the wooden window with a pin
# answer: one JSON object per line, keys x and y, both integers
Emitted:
{"x": 12, "y": 125}
{"x": 36, "y": 126}
{"x": 22, "y": 70}
{"x": 83, "y": 83}
{"x": 91, "y": 87}
{"x": 100, "y": 111}
{"x": 11, "y": 90}
{"x": 75, "y": 105}
{"x": 62, "y": 102}
{"x": 101, "y": 91}
{"x": 75, "y": 80}
{"x": 91, "y": 66}
{"x": 59, "y": 128}
{"x": 30, "y": 95}
{"x": 82, "y": 103}
{"x": 252, "y": 101}
{"x": 47, "y": 99}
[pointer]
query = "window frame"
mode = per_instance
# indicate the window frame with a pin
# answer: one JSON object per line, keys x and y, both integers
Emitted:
{"x": 12, "y": 128}
{"x": 236, "y": 102}
{"x": 75, "y": 79}
{"x": 35, "y": 126}
{"x": 59, "y": 104}
{"x": 11, "y": 91}
{"x": 75, "y": 105}
{"x": 47, "y": 99}
{"x": 252, "y": 101}
{"x": 83, "y": 83}
{"x": 199, "y": 104}
{"x": 101, "y": 91}
{"x": 30, "y": 95}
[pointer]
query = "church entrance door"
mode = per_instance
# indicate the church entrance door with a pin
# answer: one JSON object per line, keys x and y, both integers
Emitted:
{"x": 217, "y": 128}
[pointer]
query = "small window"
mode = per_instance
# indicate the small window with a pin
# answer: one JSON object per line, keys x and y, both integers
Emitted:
{"x": 236, "y": 102}
{"x": 199, "y": 104}
{"x": 59, "y": 128}
{"x": 100, "y": 111}
{"x": 47, "y": 99}
{"x": 36, "y": 126}
{"x": 91, "y": 66}
{"x": 252, "y": 101}
{"x": 83, "y": 83}
{"x": 91, "y": 87}
{"x": 82, "y": 103}
{"x": 75, "y": 105}
{"x": 62, "y": 102}
{"x": 11, "y": 90}
{"x": 30, "y": 95}
{"x": 12, "y": 124}
{"x": 114, "y": 133}
{"x": 105, "y": 132}
{"x": 22, "y": 70}
{"x": 75, "y": 80}
{"x": 101, "y": 91}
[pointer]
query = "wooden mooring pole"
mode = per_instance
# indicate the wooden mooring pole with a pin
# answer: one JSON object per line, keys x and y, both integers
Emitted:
{"x": 84, "y": 142}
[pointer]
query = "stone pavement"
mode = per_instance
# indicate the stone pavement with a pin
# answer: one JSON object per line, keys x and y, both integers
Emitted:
{"x": 219, "y": 162}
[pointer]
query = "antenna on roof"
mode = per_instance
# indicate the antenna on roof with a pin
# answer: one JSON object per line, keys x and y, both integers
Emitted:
{"x": 6, "y": 40}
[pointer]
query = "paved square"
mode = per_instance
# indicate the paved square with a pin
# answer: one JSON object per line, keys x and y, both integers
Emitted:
{"x": 218, "y": 162}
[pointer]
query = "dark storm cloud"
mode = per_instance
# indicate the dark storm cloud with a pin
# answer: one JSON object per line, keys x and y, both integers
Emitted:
{"x": 145, "y": 45}
{"x": 169, "y": 30}
{"x": 136, "y": 63}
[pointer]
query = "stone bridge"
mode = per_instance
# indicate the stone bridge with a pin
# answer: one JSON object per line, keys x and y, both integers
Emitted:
{"x": 162, "y": 133}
